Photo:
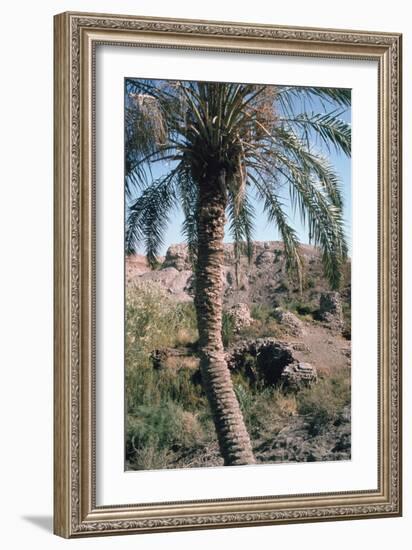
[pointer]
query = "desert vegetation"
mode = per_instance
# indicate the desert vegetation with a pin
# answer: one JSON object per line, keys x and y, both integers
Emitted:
{"x": 169, "y": 423}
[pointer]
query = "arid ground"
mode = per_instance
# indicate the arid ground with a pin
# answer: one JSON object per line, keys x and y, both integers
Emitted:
{"x": 288, "y": 348}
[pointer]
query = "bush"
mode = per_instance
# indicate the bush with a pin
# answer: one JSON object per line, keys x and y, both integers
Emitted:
{"x": 301, "y": 308}
{"x": 263, "y": 329}
{"x": 228, "y": 329}
{"x": 154, "y": 320}
{"x": 166, "y": 411}
{"x": 260, "y": 312}
{"x": 161, "y": 405}
{"x": 323, "y": 402}
{"x": 265, "y": 409}
{"x": 155, "y": 433}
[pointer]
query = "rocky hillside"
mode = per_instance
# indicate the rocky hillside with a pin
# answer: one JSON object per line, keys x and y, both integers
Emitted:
{"x": 262, "y": 281}
{"x": 288, "y": 350}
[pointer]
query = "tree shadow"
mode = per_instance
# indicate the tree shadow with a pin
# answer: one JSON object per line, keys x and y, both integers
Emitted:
{"x": 43, "y": 522}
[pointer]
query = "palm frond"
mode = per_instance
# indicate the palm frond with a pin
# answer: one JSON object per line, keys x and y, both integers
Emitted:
{"x": 188, "y": 194}
{"x": 329, "y": 127}
{"x": 241, "y": 217}
{"x": 148, "y": 126}
{"x": 149, "y": 216}
{"x": 275, "y": 212}
{"x": 337, "y": 96}
{"x": 320, "y": 215}
{"x": 315, "y": 165}
{"x": 292, "y": 96}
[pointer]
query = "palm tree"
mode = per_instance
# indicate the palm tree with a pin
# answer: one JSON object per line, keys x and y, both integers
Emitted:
{"x": 220, "y": 143}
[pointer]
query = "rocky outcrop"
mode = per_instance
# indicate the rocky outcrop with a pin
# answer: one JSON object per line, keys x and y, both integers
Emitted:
{"x": 265, "y": 257}
{"x": 291, "y": 322}
{"x": 177, "y": 283}
{"x": 299, "y": 442}
{"x": 296, "y": 375}
{"x": 240, "y": 313}
{"x": 135, "y": 266}
{"x": 177, "y": 257}
{"x": 260, "y": 360}
{"x": 330, "y": 309}
{"x": 270, "y": 361}
{"x": 261, "y": 280}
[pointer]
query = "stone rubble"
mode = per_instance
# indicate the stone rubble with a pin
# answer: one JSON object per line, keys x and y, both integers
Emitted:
{"x": 330, "y": 310}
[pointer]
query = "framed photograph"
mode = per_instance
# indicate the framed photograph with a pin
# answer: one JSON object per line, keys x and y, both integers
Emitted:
{"x": 227, "y": 274}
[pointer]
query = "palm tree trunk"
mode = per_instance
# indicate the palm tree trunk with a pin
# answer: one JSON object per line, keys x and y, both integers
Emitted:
{"x": 234, "y": 441}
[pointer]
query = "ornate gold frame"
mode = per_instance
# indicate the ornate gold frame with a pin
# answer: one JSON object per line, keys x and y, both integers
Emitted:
{"x": 75, "y": 510}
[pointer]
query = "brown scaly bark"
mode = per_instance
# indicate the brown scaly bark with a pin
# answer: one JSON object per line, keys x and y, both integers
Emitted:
{"x": 234, "y": 441}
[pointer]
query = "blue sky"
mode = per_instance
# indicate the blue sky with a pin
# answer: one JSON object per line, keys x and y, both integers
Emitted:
{"x": 263, "y": 230}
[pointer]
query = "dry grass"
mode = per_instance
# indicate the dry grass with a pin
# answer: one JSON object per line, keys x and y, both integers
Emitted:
{"x": 168, "y": 419}
{"x": 177, "y": 363}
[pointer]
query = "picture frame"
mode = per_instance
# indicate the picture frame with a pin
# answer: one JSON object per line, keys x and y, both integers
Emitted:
{"x": 76, "y": 38}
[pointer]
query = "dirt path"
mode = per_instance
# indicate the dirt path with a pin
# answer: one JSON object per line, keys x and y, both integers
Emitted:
{"x": 323, "y": 348}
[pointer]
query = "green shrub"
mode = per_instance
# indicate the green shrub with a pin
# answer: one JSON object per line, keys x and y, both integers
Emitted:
{"x": 228, "y": 329}
{"x": 161, "y": 404}
{"x": 323, "y": 402}
{"x": 301, "y": 308}
{"x": 263, "y": 329}
{"x": 260, "y": 312}
{"x": 146, "y": 386}
{"x": 254, "y": 410}
{"x": 154, "y": 433}
{"x": 154, "y": 320}
{"x": 265, "y": 409}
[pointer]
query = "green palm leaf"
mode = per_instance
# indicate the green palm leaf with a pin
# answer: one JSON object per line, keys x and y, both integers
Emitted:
{"x": 149, "y": 216}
